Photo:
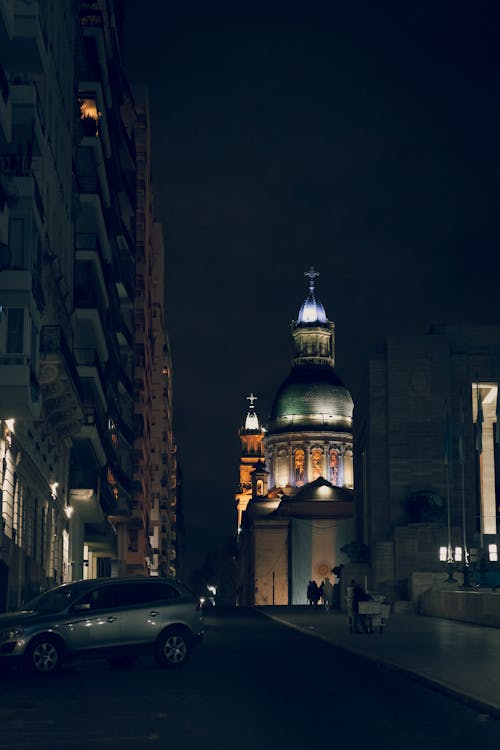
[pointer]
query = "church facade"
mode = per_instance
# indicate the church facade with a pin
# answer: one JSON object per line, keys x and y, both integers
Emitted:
{"x": 295, "y": 498}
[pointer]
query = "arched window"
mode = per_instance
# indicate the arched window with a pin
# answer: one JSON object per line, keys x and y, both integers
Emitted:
{"x": 334, "y": 467}
{"x": 260, "y": 487}
{"x": 299, "y": 466}
{"x": 317, "y": 463}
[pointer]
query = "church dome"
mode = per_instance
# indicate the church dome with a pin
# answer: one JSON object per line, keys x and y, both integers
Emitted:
{"x": 312, "y": 397}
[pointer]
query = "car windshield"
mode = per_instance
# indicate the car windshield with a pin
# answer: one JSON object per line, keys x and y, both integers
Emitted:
{"x": 54, "y": 600}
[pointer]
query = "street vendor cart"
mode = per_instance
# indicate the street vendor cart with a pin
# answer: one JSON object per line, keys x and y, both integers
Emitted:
{"x": 376, "y": 614}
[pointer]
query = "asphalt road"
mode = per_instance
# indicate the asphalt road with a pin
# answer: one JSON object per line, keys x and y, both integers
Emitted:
{"x": 253, "y": 683}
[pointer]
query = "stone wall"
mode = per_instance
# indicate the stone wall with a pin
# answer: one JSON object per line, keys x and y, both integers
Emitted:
{"x": 481, "y": 607}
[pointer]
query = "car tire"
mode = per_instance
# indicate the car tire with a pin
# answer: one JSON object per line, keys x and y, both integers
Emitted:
{"x": 44, "y": 655}
{"x": 173, "y": 648}
{"x": 121, "y": 662}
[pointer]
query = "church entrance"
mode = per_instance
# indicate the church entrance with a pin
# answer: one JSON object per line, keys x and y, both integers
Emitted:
{"x": 314, "y": 550}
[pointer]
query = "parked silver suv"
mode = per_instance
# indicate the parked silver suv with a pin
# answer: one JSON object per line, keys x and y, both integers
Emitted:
{"x": 113, "y": 617}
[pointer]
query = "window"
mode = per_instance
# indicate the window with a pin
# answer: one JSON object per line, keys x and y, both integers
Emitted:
{"x": 101, "y": 598}
{"x": 15, "y": 330}
{"x": 133, "y": 539}
{"x": 131, "y": 594}
{"x": 16, "y": 243}
{"x": 334, "y": 467}
{"x": 299, "y": 461}
{"x": 103, "y": 567}
{"x": 317, "y": 463}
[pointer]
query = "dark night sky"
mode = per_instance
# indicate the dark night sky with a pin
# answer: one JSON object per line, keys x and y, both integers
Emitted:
{"x": 359, "y": 137}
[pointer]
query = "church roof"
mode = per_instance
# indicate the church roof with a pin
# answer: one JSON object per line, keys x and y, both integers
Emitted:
{"x": 318, "y": 499}
{"x": 312, "y": 311}
{"x": 311, "y": 397}
{"x": 321, "y": 490}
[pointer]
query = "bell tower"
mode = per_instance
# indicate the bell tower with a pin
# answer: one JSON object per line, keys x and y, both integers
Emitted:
{"x": 252, "y": 453}
{"x": 313, "y": 333}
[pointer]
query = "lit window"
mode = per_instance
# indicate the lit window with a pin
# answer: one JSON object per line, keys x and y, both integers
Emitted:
{"x": 89, "y": 115}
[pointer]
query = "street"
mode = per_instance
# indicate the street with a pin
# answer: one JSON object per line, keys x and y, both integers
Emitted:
{"x": 253, "y": 683}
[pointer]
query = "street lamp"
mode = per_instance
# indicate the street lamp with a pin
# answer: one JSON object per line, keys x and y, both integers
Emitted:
{"x": 446, "y": 556}
{"x": 456, "y": 559}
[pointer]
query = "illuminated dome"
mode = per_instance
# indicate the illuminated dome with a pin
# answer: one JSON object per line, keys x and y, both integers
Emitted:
{"x": 311, "y": 397}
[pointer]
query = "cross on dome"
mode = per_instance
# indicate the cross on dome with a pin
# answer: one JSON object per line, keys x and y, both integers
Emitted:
{"x": 251, "y": 398}
{"x": 311, "y": 273}
{"x": 312, "y": 311}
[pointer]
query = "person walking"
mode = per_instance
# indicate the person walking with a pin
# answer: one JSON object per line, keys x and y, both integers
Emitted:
{"x": 358, "y": 595}
{"x": 327, "y": 594}
{"x": 313, "y": 593}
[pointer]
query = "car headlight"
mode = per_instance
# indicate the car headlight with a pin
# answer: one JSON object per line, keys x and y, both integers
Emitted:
{"x": 9, "y": 633}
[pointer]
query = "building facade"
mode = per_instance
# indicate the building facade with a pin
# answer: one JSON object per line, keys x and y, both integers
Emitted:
{"x": 73, "y": 491}
{"x": 427, "y": 458}
{"x": 301, "y": 511}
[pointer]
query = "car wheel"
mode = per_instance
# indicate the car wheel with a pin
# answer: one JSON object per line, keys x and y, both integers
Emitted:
{"x": 119, "y": 662}
{"x": 173, "y": 648}
{"x": 44, "y": 655}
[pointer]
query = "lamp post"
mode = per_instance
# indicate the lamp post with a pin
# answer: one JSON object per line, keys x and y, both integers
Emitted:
{"x": 456, "y": 559}
{"x": 446, "y": 556}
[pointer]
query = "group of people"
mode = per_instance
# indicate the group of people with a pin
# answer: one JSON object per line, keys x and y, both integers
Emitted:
{"x": 320, "y": 595}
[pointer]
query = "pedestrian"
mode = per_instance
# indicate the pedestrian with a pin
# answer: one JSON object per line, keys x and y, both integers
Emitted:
{"x": 327, "y": 594}
{"x": 310, "y": 593}
{"x": 313, "y": 594}
{"x": 358, "y": 595}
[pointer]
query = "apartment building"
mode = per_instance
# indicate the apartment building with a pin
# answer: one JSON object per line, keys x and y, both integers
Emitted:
{"x": 73, "y": 502}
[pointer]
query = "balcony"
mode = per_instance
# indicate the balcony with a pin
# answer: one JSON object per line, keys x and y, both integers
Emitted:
{"x": 89, "y": 368}
{"x": 85, "y": 503}
{"x": 93, "y": 431}
{"x": 20, "y": 288}
{"x": 91, "y": 326}
{"x": 91, "y": 144}
{"x": 21, "y": 188}
{"x": 101, "y": 538}
{"x": 120, "y": 328}
{"x": 85, "y": 481}
{"x": 28, "y": 50}
{"x": 89, "y": 263}
{"x": 19, "y": 389}
{"x": 60, "y": 384}
{"x": 28, "y": 122}
{"x": 91, "y": 217}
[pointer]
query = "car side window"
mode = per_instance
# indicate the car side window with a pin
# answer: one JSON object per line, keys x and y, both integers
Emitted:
{"x": 160, "y": 591}
{"x": 136, "y": 593}
{"x": 100, "y": 598}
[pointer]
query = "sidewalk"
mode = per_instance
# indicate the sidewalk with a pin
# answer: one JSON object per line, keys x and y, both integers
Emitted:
{"x": 459, "y": 659}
